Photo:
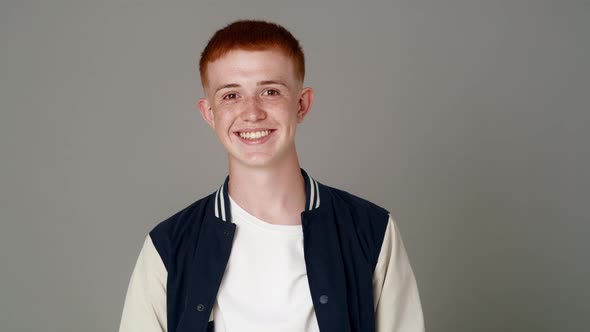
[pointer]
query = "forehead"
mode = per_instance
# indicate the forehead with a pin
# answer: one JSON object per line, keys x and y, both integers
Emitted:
{"x": 244, "y": 66}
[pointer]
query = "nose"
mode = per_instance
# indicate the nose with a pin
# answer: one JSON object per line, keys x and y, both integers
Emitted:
{"x": 253, "y": 109}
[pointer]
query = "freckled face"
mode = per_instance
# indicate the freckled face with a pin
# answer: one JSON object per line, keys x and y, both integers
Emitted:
{"x": 254, "y": 102}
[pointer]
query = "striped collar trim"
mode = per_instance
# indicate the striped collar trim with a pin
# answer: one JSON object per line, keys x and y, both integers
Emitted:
{"x": 223, "y": 208}
{"x": 312, "y": 192}
{"x": 222, "y": 205}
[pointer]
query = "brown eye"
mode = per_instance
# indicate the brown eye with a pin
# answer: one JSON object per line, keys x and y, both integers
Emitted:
{"x": 271, "y": 92}
{"x": 230, "y": 96}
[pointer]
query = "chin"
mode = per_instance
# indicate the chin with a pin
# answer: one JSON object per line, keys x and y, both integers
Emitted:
{"x": 253, "y": 161}
{"x": 257, "y": 159}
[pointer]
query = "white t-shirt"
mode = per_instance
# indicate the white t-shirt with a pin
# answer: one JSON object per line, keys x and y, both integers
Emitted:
{"x": 265, "y": 285}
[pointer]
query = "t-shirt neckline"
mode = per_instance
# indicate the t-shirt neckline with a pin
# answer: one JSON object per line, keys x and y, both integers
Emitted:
{"x": 239, "y": 212}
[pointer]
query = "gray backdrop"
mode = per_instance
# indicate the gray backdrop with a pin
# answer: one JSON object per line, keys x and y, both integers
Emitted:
{"x": 466, "y": 119}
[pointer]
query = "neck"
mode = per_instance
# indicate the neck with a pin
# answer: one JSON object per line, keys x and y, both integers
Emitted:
{"x": 267, "y": 192}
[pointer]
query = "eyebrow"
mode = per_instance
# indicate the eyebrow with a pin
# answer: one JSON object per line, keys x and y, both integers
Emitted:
{"x": 235, "y": 85}
{"x": 227, "y": 86}
{"x": 271, "y": 82}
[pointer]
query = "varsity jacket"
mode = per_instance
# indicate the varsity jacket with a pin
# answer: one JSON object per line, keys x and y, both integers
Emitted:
{"x": 358, "y": 271}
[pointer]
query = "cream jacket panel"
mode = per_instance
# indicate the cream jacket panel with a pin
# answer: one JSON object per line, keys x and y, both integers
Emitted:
{"x": 397, "y": 301}
{"x": 145, "y": 302}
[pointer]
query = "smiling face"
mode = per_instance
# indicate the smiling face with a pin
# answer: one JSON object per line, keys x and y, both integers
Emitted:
{"x": 254, "y": 102}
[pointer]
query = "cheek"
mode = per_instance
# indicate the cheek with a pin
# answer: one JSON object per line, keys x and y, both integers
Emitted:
{"x": 222, "y": 126}
{"x": 222, "y": 118}
{"x": 285, "y": 110}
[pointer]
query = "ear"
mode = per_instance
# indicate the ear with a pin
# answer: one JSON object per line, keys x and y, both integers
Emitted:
{"x": 305, "y": 101}
{"x": 206, "y": 112}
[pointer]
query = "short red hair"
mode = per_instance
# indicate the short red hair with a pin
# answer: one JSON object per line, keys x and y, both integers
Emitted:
{"x": 252, "y": 35}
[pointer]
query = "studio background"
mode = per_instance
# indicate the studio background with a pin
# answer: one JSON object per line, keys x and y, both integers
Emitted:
{"x": 468, "y": 120}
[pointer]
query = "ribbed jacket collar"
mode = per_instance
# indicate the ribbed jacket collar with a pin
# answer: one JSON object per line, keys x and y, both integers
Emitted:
{"x": 223, "y": 209}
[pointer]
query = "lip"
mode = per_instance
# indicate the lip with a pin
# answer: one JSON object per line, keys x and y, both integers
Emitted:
{"x": 260, "y": 140}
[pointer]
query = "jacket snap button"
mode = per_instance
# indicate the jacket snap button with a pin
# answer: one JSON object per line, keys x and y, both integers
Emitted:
{"x": 324, "y": 299}
{"x": 200, "y": 307}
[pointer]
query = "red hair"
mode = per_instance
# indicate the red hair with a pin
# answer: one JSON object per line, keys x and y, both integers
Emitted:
{"x": 252, "y": 35}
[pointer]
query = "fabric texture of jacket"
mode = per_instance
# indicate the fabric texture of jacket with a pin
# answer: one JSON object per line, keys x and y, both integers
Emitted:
{"x": 358, "y": 271}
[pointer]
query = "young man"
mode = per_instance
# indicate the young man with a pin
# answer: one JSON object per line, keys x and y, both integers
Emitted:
{"x": 272, "y": 249}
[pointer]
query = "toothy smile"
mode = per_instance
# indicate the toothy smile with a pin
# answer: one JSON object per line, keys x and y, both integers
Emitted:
{"x": 254, "y": 134}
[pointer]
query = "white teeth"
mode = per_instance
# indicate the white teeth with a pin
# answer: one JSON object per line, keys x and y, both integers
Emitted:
{"x": 255, "y": 135}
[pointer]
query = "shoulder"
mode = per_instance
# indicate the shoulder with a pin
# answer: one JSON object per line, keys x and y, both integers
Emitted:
{"x": 357, "y": 205}
{"x": 368, "y": 220}
{"x": 183, "y": 219}
{"x": 169, "y": 234}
